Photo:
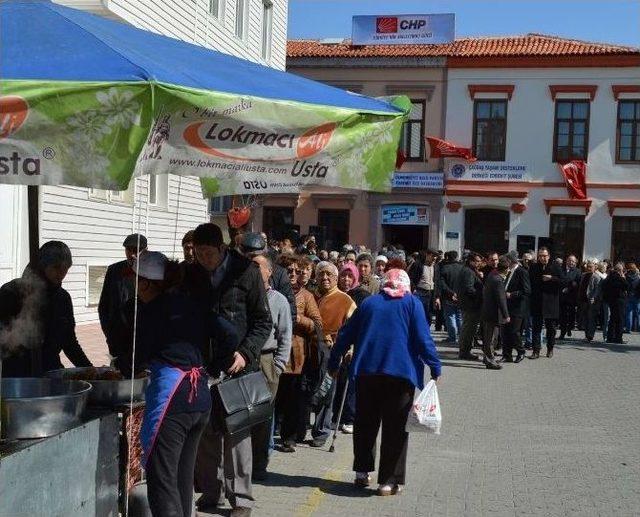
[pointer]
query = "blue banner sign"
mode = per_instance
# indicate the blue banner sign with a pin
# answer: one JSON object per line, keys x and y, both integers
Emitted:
{"x": 405, "y": 214}
{"x": 403, "y": 29}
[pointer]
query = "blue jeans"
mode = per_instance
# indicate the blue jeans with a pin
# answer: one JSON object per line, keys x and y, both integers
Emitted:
{"x": 632, "y": 314}
{"x": 452, "y": 320}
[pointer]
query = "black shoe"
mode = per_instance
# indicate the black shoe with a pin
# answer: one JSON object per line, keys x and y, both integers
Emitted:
{"x": 259, "y": 475}
{"x": 506, "y": 359}
{"x": 519, "y": 357}
{"x": 209, "y": 504}
{"x": 317, "y": 443}
{"x": 288, "y": 447}
{"x": 550, "y": 353}
{"x": 240, "y": 511}
{"x": 535, "y": 354}
{"x": 468, "y": 357}
{"x": 492, "y": 365}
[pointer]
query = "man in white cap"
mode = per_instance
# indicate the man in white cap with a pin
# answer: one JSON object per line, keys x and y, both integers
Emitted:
{"x": 381, "y": 263}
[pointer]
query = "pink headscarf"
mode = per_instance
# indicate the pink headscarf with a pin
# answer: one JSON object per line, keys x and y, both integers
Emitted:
{"x": 396, "y": 283}
{"x": 352, "y": 268}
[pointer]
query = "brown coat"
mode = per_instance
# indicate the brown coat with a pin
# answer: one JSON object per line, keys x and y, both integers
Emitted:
{"x": 304, "y": 331}
{"x": 336, "y": 308}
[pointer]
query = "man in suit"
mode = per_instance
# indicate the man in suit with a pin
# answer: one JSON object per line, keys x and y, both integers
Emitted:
{"x": 569, "y": 296}
{"x": 494, "y": 310}
{"x": 469, "y": 293}
{"x": 518, "y": 291}
{"x": 547, "y": 280}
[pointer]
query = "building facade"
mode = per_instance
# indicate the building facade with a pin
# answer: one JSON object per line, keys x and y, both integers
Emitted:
{"x": 410, "y": 214}
{"x": 526, "y": 105}
{"x": 94, "y": 222}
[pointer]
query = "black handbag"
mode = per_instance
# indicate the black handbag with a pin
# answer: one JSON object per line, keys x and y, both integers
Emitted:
{"x": 245, "y": 401}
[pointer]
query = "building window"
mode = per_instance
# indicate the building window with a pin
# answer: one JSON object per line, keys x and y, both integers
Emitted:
{"x": 158, "y": 190}
{"x": 413, "y": 132}
{"x": 490, "y": 130}
{"x": 625, "y": 238}
{"x": 277, "y": 221}
{"x": 95, "y": 281}
{"x": 240, "y": 17}
{"x": 215, "y": 8}
{"x": 571, "y": 135}
{"x": 567, "y": 235}
{"x": 267, "y": 24}
{"x": 220, "y": 204}
{"x": 336, "y": 227}
{"x": 113, "y": 196}
{"x": 628, "y": 137}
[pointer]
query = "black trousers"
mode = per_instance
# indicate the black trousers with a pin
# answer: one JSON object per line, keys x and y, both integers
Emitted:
{"x": 550, "y": 325}
{"x": 386, "y": 400}
{"x": 512, "y": 337}
{"x": 616, "y": 320}
{"x": 293, "y": 406}
{"x": 567, "y": 317}
{"x": 489, "y": 337}
{"x": 172, "y": 462}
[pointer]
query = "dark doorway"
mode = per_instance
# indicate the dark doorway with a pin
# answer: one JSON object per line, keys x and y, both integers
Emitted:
{"x": 411, "y": 237}
{"x": 486, "y": 229}
{"x": 275, "y": 219}
{"x": 625, "y": 239}
{"x": 336, "y": 223}
{"x": 567, "y": 234}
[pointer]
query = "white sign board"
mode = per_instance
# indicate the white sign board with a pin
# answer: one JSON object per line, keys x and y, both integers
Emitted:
{"x": 403, "y": 29}
{"x": 419, "y": 180}
{"x": 405, "y": 215}
{"x": 487, "y": 171}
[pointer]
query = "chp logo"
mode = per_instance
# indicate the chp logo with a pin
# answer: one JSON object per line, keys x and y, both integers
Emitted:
{"x": 14, "y": 111}
{"x": 386, "y": 24}
{"x": 458, "y": 170}
{"x": 243, "y": 142}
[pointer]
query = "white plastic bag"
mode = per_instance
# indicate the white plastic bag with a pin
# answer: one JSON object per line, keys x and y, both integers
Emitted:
{"x": 425, "y": 415}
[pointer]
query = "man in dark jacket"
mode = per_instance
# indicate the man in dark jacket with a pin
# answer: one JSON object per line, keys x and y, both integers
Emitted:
{"x": 118, "y": 288}
{"x": 36, "y": 317}
{"x": 231, "y": 286}
{"x": 518, "y": 290}
{"x": 494, "y": 311}
{"x": 491, "y": 264}
{"x": 614, "y": 294}
{"x": 469, "y": 294}
{"x": 569, "y": 296}
{"x": 547, "y": 280}
{"x": 447, "y": 280}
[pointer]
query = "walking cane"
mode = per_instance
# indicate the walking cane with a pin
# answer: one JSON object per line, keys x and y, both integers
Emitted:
{"x": 335, "y": 431}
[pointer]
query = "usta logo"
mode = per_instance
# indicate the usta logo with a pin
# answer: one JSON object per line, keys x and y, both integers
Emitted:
{"x": 13, "y": 113}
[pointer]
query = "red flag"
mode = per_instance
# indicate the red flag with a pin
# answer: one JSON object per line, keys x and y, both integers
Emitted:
{"x": 443, "y": 149}
{"x": 400, "y": 158}
{"x": 575, "y": 175}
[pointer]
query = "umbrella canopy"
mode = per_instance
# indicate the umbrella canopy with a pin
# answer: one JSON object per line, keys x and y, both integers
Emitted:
{"x": 89, "y": 102}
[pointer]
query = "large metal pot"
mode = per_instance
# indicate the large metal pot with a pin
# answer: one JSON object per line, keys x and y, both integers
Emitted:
{"x": 107, "y": 393}
{"x": 37, "y": 408}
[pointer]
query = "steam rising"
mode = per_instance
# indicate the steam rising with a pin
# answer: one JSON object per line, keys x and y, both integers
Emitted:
{"x": 25, "y": 331}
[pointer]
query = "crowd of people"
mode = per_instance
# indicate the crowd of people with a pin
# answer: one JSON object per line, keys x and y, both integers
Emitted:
{"x": 323, "y": 326}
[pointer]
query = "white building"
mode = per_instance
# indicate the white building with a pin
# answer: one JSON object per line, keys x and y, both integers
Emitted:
{"x": 93, "y": 222}
{"x": 523, "y": 105}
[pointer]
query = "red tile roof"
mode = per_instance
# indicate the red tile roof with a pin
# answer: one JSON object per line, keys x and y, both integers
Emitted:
{"x": 530, "y": 45}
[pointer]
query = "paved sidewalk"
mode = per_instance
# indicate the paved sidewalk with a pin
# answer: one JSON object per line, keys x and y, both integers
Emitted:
{"x": 549, "y": 437}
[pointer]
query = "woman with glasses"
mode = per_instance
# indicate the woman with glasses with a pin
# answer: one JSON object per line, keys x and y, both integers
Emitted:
{"x": 293, "y": 400}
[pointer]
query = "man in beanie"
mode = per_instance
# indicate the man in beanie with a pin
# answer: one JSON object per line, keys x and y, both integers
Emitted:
{"x": 36, "y": 317}
{"x": 118, "y": 288}
{"x": 231, "y": 286}
{"x": 518, "y": 289}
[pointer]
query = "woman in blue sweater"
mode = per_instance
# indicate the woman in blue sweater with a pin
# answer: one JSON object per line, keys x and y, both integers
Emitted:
{"x": 392, "y": 345}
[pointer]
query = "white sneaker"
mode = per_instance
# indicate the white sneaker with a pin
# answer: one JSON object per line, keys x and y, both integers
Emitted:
{"x": 347, "y": 428}
{"x": 362, "y": 479}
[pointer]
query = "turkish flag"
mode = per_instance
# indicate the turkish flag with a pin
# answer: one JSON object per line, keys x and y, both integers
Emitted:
{"x": 575, "y": 175}
{"x": 400, "y": 158}
{"x": 443, "y": 149}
